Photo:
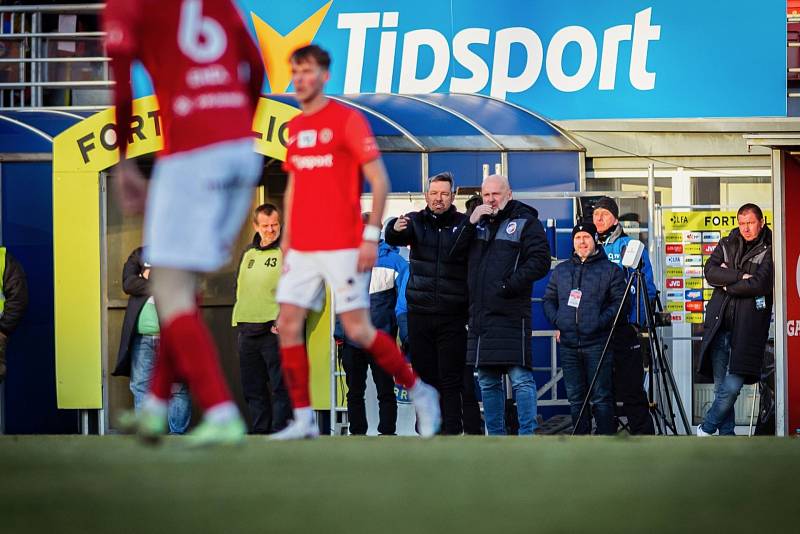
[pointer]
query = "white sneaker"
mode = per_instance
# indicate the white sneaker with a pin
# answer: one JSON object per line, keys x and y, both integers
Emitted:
{"x": 702, "y": 433}
{"x": 426, "y": 404}
{"x": 296, "y": 430}
{"x": 302, "y": 427}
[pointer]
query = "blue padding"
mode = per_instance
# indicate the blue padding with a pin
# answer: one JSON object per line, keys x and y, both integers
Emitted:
{"x": 419, "y": 118}
{"x": 378, "y": 125}
{"x": 496, "y": 117}
{"x": 17, "y": 138}
{"x": 466, "y": 166}
{"x": 30, "y": 391}
{"x": 405, "y": 171}
{"x": 51, "y": 123}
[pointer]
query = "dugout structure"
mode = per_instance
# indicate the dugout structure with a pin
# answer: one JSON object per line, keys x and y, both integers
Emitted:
{"x": 418, "y": 135}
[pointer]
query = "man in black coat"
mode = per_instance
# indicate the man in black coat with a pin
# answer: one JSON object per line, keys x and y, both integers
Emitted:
{"x": 436, "y": 296}
{"x": 508, "y": 252}
{"x": 738, "y": 316}
{"x": 581, "y": 300}
{"x": 13, "y": 301}
{"x": 139, "y": 342}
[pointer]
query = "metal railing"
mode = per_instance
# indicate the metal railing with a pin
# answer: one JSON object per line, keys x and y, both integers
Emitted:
{"x": 61, "y": 69}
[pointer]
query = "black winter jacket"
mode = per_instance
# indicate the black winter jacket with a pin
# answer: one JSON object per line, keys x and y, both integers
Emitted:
{"x": 750, "y": 320}
{"x": 602, "y": 286}
{"x": 507, "y": 254}
{"x": 15, "y": 289}
{"x": 138, "y": 289}
{"x": 438, "y": 275}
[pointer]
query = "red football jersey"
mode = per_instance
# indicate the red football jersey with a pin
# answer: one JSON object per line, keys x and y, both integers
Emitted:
{"x": 325, "y": 152}
{"x": 202, "y": 62}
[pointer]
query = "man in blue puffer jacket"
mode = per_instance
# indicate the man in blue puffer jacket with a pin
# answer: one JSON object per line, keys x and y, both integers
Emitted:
{"x": 581, "y": 300}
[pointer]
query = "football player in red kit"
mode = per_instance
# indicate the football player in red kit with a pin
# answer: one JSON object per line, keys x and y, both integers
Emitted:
{"x": 207, "y": 75}
{"x": 330, "y": 147}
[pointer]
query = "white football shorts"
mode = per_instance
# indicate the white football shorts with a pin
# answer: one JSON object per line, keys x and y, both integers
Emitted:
{"x": 305, "y": 274}
{"x": 197, "y": 203}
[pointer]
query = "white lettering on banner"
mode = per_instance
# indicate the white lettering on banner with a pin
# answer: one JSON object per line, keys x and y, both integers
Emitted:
{"x": 409, "y": 83}
{"x": 312, "y": 162}
{"x": 386, "y": 53}
{"x": 470, "y": 60}
{"x": 555, "y": 53}
{"x": 499, "y": 78}
{"x": 502, "y": 83}
{"x": 358, "y": 24}
{"x": 793, "y": 328}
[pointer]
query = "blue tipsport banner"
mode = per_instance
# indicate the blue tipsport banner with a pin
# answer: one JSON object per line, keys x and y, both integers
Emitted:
{"x": 582, "y": 59}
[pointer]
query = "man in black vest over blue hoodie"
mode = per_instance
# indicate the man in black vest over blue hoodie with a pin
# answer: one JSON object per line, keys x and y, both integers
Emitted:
{"x": 581, "y": 300}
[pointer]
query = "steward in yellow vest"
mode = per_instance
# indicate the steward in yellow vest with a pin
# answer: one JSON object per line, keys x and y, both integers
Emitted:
{"x": 13, "y": 301}
{"x": 254, "y": 315}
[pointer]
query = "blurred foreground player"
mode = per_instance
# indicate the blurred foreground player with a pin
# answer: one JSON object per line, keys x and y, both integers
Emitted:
{"x": 207, "y": 76}
{"x": 330, "y": 147}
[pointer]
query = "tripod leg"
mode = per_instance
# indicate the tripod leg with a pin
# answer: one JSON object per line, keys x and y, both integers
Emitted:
{"x": 670, "y": 385}
{"x": 602, "y": 356}
{"x": 753, "y": 412}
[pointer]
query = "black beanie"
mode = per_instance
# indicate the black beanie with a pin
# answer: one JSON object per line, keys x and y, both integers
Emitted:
{"x": 608, "y": 203}
{"x": 589, "y": 228}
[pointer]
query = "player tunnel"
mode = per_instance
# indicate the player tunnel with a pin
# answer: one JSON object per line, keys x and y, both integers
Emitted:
{"x": 419, "y": 136}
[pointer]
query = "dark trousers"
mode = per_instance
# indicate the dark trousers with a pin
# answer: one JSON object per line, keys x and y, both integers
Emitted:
{"x": 580, "y": 365}
{"x": 262, "y": 383}
{"x": 472, "y": 411}
{"x": 438, "y": 347}
{"x": 629, "y": 380}
{"x": 356, "y": 362}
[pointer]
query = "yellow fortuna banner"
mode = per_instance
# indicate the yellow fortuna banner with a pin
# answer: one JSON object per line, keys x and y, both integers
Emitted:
{"x": 80, "y": 153}
{"x": 701, "y": 221}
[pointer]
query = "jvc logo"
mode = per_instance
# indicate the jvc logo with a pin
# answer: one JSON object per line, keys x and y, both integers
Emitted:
{"x": 500, "y": 78}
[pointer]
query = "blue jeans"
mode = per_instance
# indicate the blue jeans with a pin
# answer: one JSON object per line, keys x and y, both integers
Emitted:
{"x": 579, "y": 366}
{"x": 727, "y": 386}
{"x": 143, "y": 357}
{"x": 494, "y": 398}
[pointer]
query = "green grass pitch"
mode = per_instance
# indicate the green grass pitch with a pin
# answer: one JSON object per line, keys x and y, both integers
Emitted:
{"x": 66, "y": 484}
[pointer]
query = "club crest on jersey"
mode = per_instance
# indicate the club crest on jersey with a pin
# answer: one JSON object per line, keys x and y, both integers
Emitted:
{"x": 307, "y": 139}
{"x": 325, "y": 135}
{"x": 511, "y": 228}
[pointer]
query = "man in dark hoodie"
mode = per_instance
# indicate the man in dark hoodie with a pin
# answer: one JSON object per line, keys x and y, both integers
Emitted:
{"x": 254, "y": 314}
{"x": 581, "y": 299}
{"x": 737, "y": 317}
{"x": 508, "y": 252}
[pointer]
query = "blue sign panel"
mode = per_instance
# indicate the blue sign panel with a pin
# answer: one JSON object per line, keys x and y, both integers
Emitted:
{"x": 566, "y": 60}
{"x": 694, "y": 294}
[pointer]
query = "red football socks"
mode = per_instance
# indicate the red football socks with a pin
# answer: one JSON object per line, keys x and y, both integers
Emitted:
{"x": 163, "y": 373}
{"x": 295, "y": 371}
{"x": 386, "y": 353}
{"x": 186, "y": 341}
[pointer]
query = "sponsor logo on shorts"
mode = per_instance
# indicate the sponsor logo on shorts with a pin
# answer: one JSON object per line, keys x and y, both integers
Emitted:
{"x": 312, "y": 162}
